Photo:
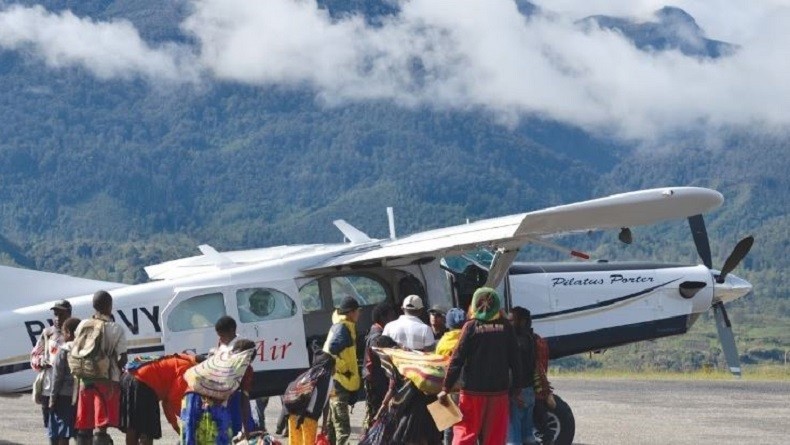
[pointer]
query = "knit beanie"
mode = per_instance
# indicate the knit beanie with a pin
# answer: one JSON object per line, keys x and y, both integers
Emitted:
{"x": 485, "y": 304}
{"x": 455, "y": 318}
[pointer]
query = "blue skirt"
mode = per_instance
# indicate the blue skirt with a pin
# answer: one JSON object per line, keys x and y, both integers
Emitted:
{"x": 61, "y": 418}
{"x": 203, "y": 422}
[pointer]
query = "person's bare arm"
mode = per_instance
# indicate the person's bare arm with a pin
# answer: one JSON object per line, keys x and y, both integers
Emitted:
{"x": 245, "y": 413}
{"x": 170, "y": 416}
{"x": 122, "y": 359}
{"x": 386, "y": 401}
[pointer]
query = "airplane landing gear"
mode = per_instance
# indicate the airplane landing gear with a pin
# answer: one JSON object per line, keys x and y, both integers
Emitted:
{"x": 561, "y": 421}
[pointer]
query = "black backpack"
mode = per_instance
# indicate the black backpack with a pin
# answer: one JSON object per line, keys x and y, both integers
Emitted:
{"x": 299, "y": 392}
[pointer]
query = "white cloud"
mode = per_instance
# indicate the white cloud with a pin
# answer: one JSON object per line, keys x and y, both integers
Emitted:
{"x": 108, "y": 49}
{"x": 462, "y": 54}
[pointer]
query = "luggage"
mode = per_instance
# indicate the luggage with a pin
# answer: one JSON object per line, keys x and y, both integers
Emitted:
{"x": 425, "y": 370}
{"x": 220, "y": 375}
{"x": 299, "y": 392}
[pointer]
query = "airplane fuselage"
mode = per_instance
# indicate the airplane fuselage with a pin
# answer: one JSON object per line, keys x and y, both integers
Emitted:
{"x": 578, "y": 307}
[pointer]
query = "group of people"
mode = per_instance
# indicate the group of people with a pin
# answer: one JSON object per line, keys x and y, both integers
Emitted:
{"x": 493, "y": 367}
{"x": 496, "y": 374}
{"x": 85, "y": 384}
{"x": 68, "y": 404}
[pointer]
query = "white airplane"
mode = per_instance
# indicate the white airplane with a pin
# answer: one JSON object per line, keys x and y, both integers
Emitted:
{"x": 283, "y": 296}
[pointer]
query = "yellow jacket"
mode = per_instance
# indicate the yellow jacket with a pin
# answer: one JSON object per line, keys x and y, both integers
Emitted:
{"x": 448, "y": 342}
{"x": 341, "y": 343}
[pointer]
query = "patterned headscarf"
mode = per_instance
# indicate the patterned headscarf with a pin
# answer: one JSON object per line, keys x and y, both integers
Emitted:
{"x": 485, "y": 304}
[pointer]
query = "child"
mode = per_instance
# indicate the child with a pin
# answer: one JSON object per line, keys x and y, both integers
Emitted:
{"x": 61, "y": 405}
{"x": 455, "y": 320}
{"x": 303, "y": 420}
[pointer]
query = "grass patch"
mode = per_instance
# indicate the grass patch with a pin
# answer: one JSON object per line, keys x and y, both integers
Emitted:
{"x": 749, "y": 372}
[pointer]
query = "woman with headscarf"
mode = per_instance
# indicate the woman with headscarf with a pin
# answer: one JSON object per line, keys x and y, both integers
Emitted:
{"x": 487, "y": 355}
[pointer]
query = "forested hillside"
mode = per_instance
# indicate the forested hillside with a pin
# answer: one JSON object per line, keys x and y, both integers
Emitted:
{"x": 100, "y": 177}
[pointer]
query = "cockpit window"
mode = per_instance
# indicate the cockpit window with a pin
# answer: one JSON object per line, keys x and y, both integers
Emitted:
{"x": 367, "y": 291}
{"x": 259, "y": 304}
{"x": 481, "y": 258}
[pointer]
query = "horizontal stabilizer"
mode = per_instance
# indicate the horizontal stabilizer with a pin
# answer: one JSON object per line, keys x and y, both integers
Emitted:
{"x": 24, "y": 287}
{"x": 215, "y": 257}
{"x": 353, "y": 234}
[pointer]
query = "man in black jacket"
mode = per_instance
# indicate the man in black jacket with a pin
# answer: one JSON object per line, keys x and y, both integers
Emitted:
{"x": 488, "y": 356}
{"x": 520, "y": 429}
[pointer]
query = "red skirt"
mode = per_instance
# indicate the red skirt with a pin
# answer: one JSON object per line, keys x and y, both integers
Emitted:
{"x": 98, "y": 405}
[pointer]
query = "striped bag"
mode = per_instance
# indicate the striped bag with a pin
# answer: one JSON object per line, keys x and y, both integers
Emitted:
{"x": 220, "y": 375}
{"x": 424, "y": 369}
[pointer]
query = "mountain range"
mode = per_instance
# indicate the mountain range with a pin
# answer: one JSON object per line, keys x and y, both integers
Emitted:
{"x": 99, "y": 177}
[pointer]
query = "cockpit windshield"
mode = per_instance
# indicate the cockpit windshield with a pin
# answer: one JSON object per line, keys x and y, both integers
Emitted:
{"x": 481, "y": 258}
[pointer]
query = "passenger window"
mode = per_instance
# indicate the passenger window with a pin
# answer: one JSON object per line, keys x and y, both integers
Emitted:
{"x": 197, "y": 312}
{"x": 310, "y": 295}
{"x": 260, "y": 304}
{"x": 366, "y": 290}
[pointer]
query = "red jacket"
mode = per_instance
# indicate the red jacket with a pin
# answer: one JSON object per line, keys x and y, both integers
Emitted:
{"x": 166, "y": 378}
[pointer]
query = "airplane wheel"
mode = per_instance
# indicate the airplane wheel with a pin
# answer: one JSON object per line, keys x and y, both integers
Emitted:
{"x": 561, "y": 421}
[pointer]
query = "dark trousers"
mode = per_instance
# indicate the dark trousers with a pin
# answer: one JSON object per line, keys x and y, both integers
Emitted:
{"x": 541, "y": 417}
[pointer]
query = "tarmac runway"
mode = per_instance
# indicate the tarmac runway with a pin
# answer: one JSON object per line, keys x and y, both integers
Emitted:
{"x": 607, "y": 411}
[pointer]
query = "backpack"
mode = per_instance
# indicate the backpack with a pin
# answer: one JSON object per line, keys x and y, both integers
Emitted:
{"x": 299, "y": 392}
{"x": 87, "y": 358}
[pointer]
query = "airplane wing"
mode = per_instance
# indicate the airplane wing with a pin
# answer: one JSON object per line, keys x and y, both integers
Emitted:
{"x": 211, "y": 260}
{"x": 508, "y": 233}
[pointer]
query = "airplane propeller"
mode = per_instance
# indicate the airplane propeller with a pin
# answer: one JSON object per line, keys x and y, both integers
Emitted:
{"x": 738, "y": 253}
{"x": 700, "y": 234}
{"x": 723, "y": 325}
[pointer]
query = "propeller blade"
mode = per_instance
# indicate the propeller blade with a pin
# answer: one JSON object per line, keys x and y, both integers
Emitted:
{"x": 738, "y": 253}
{"x": 700, "y": 235}
{"x": 726, "y": 338}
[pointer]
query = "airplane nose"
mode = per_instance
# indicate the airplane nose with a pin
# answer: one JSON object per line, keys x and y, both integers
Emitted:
{"x": 732, "y": 289}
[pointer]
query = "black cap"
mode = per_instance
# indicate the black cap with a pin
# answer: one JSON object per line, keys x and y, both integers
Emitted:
{"x": 348, "y": 304}
{"x": 62, "y": 305}
{"x": 437, "y": 309}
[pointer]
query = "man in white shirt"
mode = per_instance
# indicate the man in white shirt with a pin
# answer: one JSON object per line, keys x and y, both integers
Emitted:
{"x": 409, "y": 331}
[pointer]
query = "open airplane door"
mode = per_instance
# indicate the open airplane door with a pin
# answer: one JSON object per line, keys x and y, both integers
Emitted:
{"x": 189, "y": 317}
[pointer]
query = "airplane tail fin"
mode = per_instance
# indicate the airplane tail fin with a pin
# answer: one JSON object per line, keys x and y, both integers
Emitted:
{"x": 26, "y": 287}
